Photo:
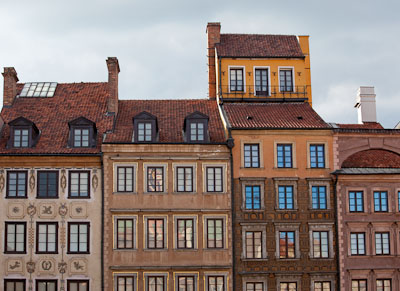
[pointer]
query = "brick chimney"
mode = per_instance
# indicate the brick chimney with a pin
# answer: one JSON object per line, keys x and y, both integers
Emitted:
{"x": 213, "y": 37}
{"x": 10, "y": 86}
{"x": 365, "y": 104}
{"x": 113, "y": 71}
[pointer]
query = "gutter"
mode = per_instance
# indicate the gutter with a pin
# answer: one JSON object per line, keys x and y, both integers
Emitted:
{"x": 230, "y": 145}
{"x": 102, "y": 224}
{"x": 337, "y": 230}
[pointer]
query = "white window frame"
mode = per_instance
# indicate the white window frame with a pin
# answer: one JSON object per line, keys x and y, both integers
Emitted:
{"x": 244, "y": 77}
{"x": 268, "y": 76}
{"x": 293, "y": 77}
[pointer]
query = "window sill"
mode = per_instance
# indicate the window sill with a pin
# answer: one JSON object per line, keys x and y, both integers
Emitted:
{"x": 155, "y": 193}
{"x": 253, "y": 210}
{"x": 78, "y": 253}
{"x": 252, "y": 168}
{"x": 321, "y": 259}
{"x": 215, "y": 249}
{"x": 47, "y": 197}
{"x": 325, "y": 168}
{"x": 10, "y": 197}
{"x": 184, "y": 193}
{"x": 289, "y": 168}
{"x": 214, "y": 193}
{"x": 79, "y": 198}
{"x": 155, "y": 250}
{"x": 254, "y": 260}
{"x": 288, "y": 260}
{"x": 186, "y": 250}
{"x": 124, "y": 193}
{"x": 286, "y": 210}
{"x": 124, "y": 250}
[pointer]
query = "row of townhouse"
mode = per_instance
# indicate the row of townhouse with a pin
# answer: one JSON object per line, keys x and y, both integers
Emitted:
{"x": 246, "y": 190}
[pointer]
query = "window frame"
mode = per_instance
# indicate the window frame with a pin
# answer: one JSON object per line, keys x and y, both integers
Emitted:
{"x": 70, "y": 223}
{"x": 288, "y": 285}
{"x": 381, "y": 233}
{"x": 164, "y": 277}
{"x": 252, "y": 164}
{"x": 285, "y": 255}
{"x": 15, "y": 223}
{"x": 216, "y": 277}
{"x": 252, "y": 197}
{"x": 283, "y": 146}
{"x": 79, "y": 172}
{"x": 287, "y": 227}
{"x": 358, "y": 281}
{"x": 81, "y": 128}
{"x": 285, "y": 197}
{"x": 164, "y": 233}
{"x": 322, "y": 285}
{"x": 383, "y": 282}
{"x": 185, "y": 220}
{"x": 286, "y": 68}
{"x": 185, "y": 275}
{"x": 317, "y": 157}
{"x": 357, "y": 234}
{"x": 197, "y": 121}
{"x": 125, "y": 167}
{"x": 185, "y": 168}
{"x": 38, "y": 173}
{"x": 38, "y": 223}
{"x": 250, "y": 182}
{"x": 6, "y": 280}
{"x": 237, "y": 68}
{"x": 356, "y": 192}
{"x": 321, "y": 244}
{"x": 207, "y": 185}
{"x": 21, "y": 128}
{"x": 145, "y": 118}
{"x": 82, "y": 123}
{"x": 318, "y": 186}
{"x": 133, "y": 276}
{"x": 47, "y": 281}
{"x": 206, "y": 236}
{"x": 16, "y": 185}
{"x": 269, "y": 89}
{"x": 253, "y": 253}
{"x": 380, "y": 199}
{"x": 71, "y": 281}
{"x": 286, "y": 182}
{"x": 116, "y": 234}
{"x": 164, "y": 178}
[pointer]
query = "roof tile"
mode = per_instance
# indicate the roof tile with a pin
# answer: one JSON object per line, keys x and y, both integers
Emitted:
{"x": 373, "y": 159}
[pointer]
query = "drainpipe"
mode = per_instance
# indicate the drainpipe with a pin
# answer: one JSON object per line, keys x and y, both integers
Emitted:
{"x": 230, "y": 146}
{"x": 102, "y": 224}
{"x": 337, "y": 230}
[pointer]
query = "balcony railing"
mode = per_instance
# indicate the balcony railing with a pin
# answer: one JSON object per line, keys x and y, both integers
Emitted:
{"x": 263, "y": 92}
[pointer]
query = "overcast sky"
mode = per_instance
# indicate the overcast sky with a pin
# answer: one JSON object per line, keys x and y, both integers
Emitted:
{"x": 161, "y": 45}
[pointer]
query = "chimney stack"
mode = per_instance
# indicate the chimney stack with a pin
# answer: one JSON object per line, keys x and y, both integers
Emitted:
{"x": 365, "y": 104}
{"x": 113, "y": 71}
{"x": 213, "y": 37}
{"x": 10, "y": 86}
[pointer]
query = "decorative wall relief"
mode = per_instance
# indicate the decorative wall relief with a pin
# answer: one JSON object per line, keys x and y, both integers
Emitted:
{"x": 63, "y": 182}
{"x": 2, "y": 180}
{"x": 46, "y": 266}
{"x": 78, "y": 210}
{"x": 30, "y": 267}
{"x": 63, "y": 210}
{"x": 78, "y": 266}
{"x": 47, "y": 210}
{"x": 95, "y": 180}
{"x": 16, "y": 210}
{"x": 32, "y": 181}
{"x": 15, "y": 266}
{"x": 31, "y": 209}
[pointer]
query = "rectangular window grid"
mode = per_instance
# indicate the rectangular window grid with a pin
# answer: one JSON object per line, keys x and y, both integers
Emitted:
{"x": 155, "y": 179}
{"x": 317, "y": 156}
{"x": 196, "y": 131}
{"x": 261, "y": 82}
{"x": 125, "y": 283}
{"x": 254, "y": 286}
{"x": 184, "y": 179}
{"x": 17, "y": 184}
{"x": 81, "y": 137}
{"x": 318, "y": 197}
{"x": 125, "y": 179}
{"x": 78, "y": 285}
{"x": 215, "y": 233}
{"x": 21, "y": 138}
{"x": 253, "y": 244}
{"x": 144, "y": 131}
{"x": 322, "y": 286}
{"x": 236, "y": 80}
{"x": 382, "y": 243}
{"x": 47, "y": 237}
{"x": 214, "y": 179}
{"x": 79, "y": 184}
{"x": 284, "y": 155}
{"x": 78, "y": 237}
{"x": 285, "y": 198}
{"x": 125, "y": 233}
{"x": 185, "y": 234}
{"x": 251, "y": 156}
{"x": 186, "y": 283}
{"x": 155, "y": 283}
{"x": 253, "y": 199}
{"x": 288, "y": 286}
{"x": 287, "y": 247}
{"x": 286, "y": 80}
{"x": 46, "y": 285}
{"x": 320, "y": 244}
{"x": 380, "y": 201}
{"x": 359, "y": 285}
{"x": 155, "y": 233}
{"x": 47, "y": 184}
{"x": 216, "y": 283}
{"x": 383, "y": 285}
{"x": 356, "y": 201}
{"x": 357, "y": 243}
{"x": 15, "y": 237}
{"x": 14, "y": 285}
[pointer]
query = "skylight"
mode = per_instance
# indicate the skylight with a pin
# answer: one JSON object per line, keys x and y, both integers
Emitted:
{"x": 38, "y": 89}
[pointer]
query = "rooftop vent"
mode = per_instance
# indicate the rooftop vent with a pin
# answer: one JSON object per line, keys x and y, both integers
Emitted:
{"x": 38, "y": 89}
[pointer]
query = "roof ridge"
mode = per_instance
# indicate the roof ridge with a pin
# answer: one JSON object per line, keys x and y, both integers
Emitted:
{"x": 261, "y": 34}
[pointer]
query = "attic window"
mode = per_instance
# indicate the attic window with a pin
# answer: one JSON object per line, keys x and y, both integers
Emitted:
{"x": 23, "y": 133}
{"x": 82, "y": 133}
{"x": 145, "y": 127}
{"x": 38, "y": 89}
{"x": 196, "y": 127}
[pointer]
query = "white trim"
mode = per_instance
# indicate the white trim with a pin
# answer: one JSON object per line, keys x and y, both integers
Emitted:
{"x": 268, "y": 76}
{"x": 293, "y": 77}
{"x": 244, "y": 77}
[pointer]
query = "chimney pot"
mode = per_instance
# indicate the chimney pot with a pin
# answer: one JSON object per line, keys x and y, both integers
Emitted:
{"x": 10, "y": 85}
{"x": 113, "y": 71}
{"x": 366, "y": 105}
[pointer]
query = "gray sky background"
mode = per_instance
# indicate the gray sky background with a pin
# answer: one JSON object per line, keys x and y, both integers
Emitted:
{"x": 161, "y": 45}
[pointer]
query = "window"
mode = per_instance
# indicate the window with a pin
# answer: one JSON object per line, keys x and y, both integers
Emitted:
{"x": 359, "y": 285}
{"x": 184, "y": 179}
{"x": 261, "y": 82}
{"x": 155, "y": 283}
{"x": 380, "y": 201}
{"x": 286, "y": 80}
{"x": 320, "y": 244}
{"x": 155, "y": 233}
{"x": 253, "y": 244}
{"x": 288, "y": 286}
{"x": 236, "y": 80}
{"x": 214, "y": 179}
{"x": 21, "y": 138}
{"x": 78, "y": 237}
{"x": 285, "y": 197}
{"x": 14, "y": 285}
{"x": 46, "y": 285}
{"x": 78, "y": 285}
{"x": 253, "y": 199}
{"x": 322, "y": 286}
{"x": 79, "y": 185}
{"x": 47, "y": 237}
{"x": 383, "y": 285}
{"x": 284, "y": 156}
{"x": 16, "y": 184}
{"x": 125, "y": 232}
{"x": 357, "y": 243}
{"x": 215, "y": 233}
{"x": 145, "y": 131}
{"x": 81, "y": 137}
{"x": 195, "y": 127}
{"x": 155, "y": 179}
{"x": 318, "y": 197}
{"x": 125, "y": 179}
{"x": 251, "y": 156}
{"x": 47, "y": 184}
{"x": 317, "y": 156}
{"x": 196, "y": 131}
{"x": 255, "y": 286}
{"x": 287, "y": 248}
{"x": 23, "y": 133}
{"x": 82, "y": 133}
{"x": 216, "y": 283}
{"x": 15, "y": 237}
{"x": 145, "y": 127}
{"x": 185, "y": 233}
{"x": 125, "y": 283}
{"x": 382, "y": 243}
{"x": 186, "y": 283}
{"x": 356, "y": 201}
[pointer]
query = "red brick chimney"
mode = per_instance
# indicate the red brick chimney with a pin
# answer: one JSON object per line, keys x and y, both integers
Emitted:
{"x": 113, "y": 71}
{"x": 213, "y": 37}
{"x": 10, "y": 86}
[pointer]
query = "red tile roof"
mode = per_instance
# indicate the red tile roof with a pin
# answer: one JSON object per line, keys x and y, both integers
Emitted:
{"x": 259, "y": 45}
{"x": 366, "y": 125}
{"x": 373, "y": 159}
{"x": 170, "y": 118}
{"x": 51, "y": 116}
{"x": 273, "y": 115}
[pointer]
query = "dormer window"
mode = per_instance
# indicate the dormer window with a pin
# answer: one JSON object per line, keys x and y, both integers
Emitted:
{"x": 23, "y": 133}
{"x": 145, "y": 128}
{"x": 82, "y": 133}
{"x": 196, "y": 128}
